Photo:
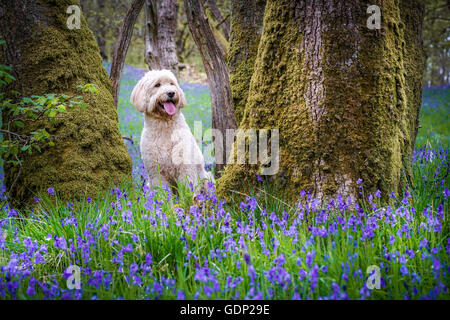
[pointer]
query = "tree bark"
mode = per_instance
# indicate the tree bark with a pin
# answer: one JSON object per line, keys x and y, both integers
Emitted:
{"x": 217, "y": 72}
{"x": 46, "y": 57}
{"x": 121, "y": 48}
{"x": 102, "y": 30}
{"x": 215, "y": 11}
{"x": 246, "y": 28}
{"x": 160, "y": 34}
{"x": 345, "y": 98}
{"x": 182, "y": 36}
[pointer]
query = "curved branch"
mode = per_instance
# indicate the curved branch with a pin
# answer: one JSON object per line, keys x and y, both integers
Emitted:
{"x": 121, "y": 48}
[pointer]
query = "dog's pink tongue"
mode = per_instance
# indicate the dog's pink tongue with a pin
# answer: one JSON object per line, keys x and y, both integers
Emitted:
{"x": 169, "y": 107}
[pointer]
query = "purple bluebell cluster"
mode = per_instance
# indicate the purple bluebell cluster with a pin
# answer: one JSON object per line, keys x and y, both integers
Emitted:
{"x": 149, "y": 245}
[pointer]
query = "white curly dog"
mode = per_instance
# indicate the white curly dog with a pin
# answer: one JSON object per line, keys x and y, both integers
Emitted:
{"x": 168, "y": 148}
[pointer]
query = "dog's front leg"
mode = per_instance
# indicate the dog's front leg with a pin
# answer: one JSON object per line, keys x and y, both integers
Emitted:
{"x": 155, "y": 179}
{"x": 198, "y": 177}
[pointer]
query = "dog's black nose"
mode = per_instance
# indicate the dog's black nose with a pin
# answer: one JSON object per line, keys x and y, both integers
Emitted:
{"x": 171, "y": 94}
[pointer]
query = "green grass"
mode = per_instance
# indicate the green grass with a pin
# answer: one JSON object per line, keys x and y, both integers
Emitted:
{"x": 434, "y": 117}
{"x": 209, "y": 251}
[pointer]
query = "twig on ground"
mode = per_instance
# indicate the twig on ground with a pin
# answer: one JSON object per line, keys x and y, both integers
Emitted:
{"x": 129, "y": 139}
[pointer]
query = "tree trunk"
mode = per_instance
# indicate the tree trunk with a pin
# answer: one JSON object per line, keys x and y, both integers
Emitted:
{"x": 47, "y": 57}
{"x": 217, "y": 72}
{"x": 215, "y": 11}
{"x": 160, "y": 33}
{"x": 121, "y": 48}
{"x": 345, "y": 98}
{"x": 246, "y": 28}
{"x": 102, "y": 31}
{"x": 182, "y": 36}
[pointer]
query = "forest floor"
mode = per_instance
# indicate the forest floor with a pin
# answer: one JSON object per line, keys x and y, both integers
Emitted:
{"x": 190, "y": 74}
{"x": 135, "y": 243}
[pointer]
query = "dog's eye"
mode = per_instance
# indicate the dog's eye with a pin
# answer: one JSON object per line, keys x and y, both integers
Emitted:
{"x": 158, "y": 85}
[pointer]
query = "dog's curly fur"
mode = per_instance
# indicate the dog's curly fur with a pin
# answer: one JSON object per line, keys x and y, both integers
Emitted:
{"x": 168, "y": 148}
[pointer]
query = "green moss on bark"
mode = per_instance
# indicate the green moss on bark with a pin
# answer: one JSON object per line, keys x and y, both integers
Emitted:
{"x": 89, "y": 155}
{"x": 246, "y": 29}
{"x": 277, "y": 70}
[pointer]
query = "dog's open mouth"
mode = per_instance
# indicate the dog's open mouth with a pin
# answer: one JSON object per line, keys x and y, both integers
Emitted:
{"x": 169, "y": 107}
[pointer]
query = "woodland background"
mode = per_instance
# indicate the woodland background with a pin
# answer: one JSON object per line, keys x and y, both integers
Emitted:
{"x": 104, "y": 18}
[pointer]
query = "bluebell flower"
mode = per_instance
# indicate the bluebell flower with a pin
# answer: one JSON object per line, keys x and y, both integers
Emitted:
{"x": 13, "y": 213}
{"x": 391, "y": 240}
{"x": 181, "y": 295}
{"x": 247, "y": 258}
{"x": 60, "y": 243}
{"x": 310, "y": 257}
{"x": 404, "y": 270}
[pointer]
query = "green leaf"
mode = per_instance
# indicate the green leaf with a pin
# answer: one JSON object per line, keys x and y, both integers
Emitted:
{"x": 20, "y": 124}
{"x": 52, "y": 114}
{"x": 61, "y": 108}
{"x": 90, "y": 88}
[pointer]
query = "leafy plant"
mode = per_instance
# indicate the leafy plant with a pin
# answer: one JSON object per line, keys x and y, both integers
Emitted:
{"x": 18, "y": 137}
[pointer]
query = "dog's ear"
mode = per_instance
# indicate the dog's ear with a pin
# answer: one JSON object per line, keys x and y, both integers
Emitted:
{"x": 138, "y": 96}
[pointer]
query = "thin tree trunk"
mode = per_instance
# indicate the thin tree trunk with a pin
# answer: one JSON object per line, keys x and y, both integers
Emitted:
{"x": 345, "y": 98}
{"x": 160, "y": 34}
{"x": 246, "y": 28}
{"x": 101, "y": 36}
{"x": 223, "y": 117}
{"x": 121, "y": 48}
{"x": 182, "y": 37}
{"x": 47, "y": 57}
{"x": 224, "y": 25}
{"x": 151, "y": 35}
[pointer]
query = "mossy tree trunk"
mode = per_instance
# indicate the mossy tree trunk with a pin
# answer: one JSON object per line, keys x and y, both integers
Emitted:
{"x": 246, "y": 28}
{"x": 345, "y": 98}
{"x": 47, "y": 57}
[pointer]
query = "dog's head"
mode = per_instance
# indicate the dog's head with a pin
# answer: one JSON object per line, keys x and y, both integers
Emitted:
{"x": 158, "y": 95}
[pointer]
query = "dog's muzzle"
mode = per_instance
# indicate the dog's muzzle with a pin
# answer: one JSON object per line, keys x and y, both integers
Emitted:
{"x": 168, "y": 107}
